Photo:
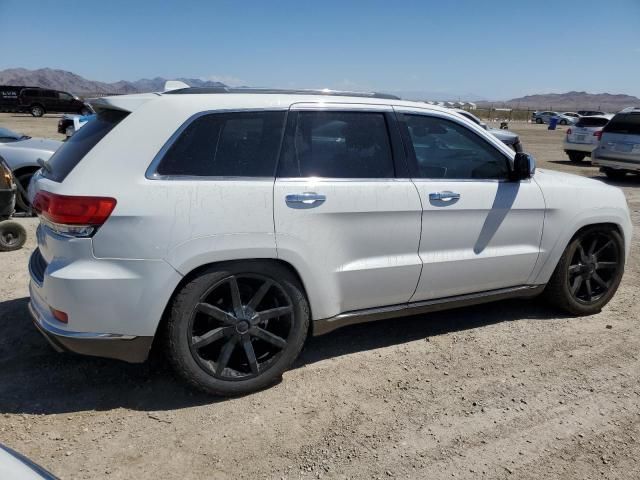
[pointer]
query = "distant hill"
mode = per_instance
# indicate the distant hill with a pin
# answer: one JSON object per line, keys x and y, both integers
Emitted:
{"x": 71, "y": 82}
{"x": 570, "y": 101}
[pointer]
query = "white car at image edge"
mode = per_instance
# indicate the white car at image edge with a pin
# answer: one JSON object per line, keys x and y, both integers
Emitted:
{"x": 231, "y": 224}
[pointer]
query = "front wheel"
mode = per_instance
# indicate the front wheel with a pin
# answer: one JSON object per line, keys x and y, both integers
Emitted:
{"x": 85, "y": 111}
{"x": 589, "y": 271}
{"x": 539, "y": 121}
{"x": 237, "y": 327}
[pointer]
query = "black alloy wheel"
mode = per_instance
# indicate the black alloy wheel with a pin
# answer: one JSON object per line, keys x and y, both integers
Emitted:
{"x": 594, "y": 267}
{"x": 240, "y": 326}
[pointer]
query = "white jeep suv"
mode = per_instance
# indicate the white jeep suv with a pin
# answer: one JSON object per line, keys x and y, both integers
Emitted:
{"x": 231, "y": 224}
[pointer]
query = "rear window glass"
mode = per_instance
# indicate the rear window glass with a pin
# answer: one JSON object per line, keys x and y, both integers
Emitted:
{"x": 226, "y": 145}
{"x": 73, "y": 150}
{"x": 592, "y": 122}
{"x": 626, "y": 123}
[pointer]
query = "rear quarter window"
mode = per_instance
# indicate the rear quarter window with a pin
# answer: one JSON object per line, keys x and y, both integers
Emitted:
{"x": 624, "y": 123}
{"x": 592, "y": 122}
{"x": 65, "y": 159}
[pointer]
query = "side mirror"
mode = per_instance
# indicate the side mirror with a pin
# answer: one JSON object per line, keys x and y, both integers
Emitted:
{"x": 524, "y": 166}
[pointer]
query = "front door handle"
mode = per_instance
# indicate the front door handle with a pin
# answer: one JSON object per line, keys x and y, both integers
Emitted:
{"x": 305, "y": 200}
{"x": 446, "y": 195}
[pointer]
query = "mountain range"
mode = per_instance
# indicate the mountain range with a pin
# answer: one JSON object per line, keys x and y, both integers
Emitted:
{"x": 71, "y": 82}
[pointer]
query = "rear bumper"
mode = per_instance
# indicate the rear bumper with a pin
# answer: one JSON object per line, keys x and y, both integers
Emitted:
{"x": 121, "y": 347}
{"x": 616, "y": 163}
{"x": 579, "y": 147}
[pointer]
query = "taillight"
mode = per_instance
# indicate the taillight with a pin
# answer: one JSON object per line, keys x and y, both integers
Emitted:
{"x": 598, "y": 134}
{"x": 568, "y": 131}
{"x": 73, "y": 215}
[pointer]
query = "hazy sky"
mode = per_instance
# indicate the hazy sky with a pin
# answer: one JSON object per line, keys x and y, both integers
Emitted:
{"x": 486, "y": 48}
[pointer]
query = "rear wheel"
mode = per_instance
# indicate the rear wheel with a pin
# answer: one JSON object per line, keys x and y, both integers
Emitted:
{"x": 37, "y": 110}
{"x": 237, "y": 327}
{"x": 12, "y": 236}
{"x": 85, "y": 111}
{"x": 589, "y": 271}
{"x": 563, "y": 122}
{"x": 538, "y": 121}
{"x": 22, "y": 203}
{"x": 614, "y": 174}
{"x": 576, "y": 156}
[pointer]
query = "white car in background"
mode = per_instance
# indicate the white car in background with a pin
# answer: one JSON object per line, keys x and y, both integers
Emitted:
{"x": 234, "y": 223}
{"x": 582, "y": 138}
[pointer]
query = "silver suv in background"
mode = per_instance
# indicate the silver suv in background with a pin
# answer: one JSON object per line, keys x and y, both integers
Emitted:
{"x": 618, "y": 152}
{"x": 583, "y": 137}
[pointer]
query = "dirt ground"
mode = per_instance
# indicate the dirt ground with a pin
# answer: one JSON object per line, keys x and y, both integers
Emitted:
{"x": 507, "y": 390}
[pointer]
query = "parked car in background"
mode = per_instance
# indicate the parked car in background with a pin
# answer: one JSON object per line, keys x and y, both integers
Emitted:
{"x": 70, "y": 124}
{"x": 590, "y": 113}
{"x": 572, "y": 115}
{"x": 39, "y": 101}
{"x": 21, "y": 153}
{"x": 505, "y": 136}
{"x": 249, "y": 219}
{"x": 582, "y": 138}
{"x": 618, "y": 151}
{"x": 545, "y": 117}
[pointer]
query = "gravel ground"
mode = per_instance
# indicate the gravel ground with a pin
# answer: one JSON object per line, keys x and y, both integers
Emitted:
{"x": 507, "y": 390}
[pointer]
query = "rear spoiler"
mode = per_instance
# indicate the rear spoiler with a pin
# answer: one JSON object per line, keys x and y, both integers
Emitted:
{"x": 125, "y": 103}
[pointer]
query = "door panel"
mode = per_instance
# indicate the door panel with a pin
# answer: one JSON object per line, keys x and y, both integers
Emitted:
{"x": 489, "y": 238}
{"x": 353, "y": 239}
{"x": 480, "y": 231}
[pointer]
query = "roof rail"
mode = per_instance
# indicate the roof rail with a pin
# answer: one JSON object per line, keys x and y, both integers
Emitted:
{"x": 337, "y": 93}
{"x": 630, "y": 110}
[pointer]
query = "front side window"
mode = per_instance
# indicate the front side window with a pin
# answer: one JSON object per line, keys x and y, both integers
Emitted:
{"x": 445, "y": 149}
{"x": 338, "y": 145}
{"x": 226, "y": 145}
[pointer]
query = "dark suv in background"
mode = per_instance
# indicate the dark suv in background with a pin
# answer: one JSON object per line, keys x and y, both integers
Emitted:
{"x": 39, "y": 101}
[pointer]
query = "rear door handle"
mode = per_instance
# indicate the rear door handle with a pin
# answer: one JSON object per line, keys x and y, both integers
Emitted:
{"x": 305, "y": 200}
{"x": 446, "y": 195}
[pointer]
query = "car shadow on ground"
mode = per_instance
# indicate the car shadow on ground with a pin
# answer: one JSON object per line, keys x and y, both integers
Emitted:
{"x": 34, "y": 379}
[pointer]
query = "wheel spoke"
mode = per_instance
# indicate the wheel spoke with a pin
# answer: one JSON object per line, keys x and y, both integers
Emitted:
{"x": 606, "y": 265}
{"x": 268, "y": 337}
{"x": 602, "y": 248}
{"x": 589, "y": 291}
{"x": 225, "y": 354}
{"x": 600, "y": 281}
{"x": 583, "y": 256}
{"x": 209, "y": 337}
{"x": 592, "y": 247}
{"x": 216, "y": 313}
{"x": 251, "y": 355}
{"x": 235, "y": 295}
{"x": 259, "y": 295}
{"x": 273, "y": 313}
{"x": 575, "y": 286}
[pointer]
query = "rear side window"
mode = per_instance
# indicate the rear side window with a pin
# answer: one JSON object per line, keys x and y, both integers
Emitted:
{"x": 625, "y": 123}
{"x": 73, "y": 150}
{"x": 338, "y": 145}
{"x": 592, "y": 122}
{"x": 226, "y": 145}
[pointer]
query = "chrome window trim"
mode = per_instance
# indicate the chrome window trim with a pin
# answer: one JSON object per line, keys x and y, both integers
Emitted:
{"x": 152, "y": 170}
{"x": 339, "y": 179}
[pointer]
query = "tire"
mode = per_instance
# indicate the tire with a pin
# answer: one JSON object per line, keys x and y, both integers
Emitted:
{"x": 209, "y": 332}
{"x": 37, "y": 110}
{"x": 85, "y": 111}
{"x": 22, "y": 204}
{"x": 69, "y": 131}
{"x": 12, "y": 236}
{"x": 563, "y": 122}
{"x": 586, "y": 296}
{"x": 539, "y": 121}
{"x": 576, "y": 157}
{"x": 614, "y": 174}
